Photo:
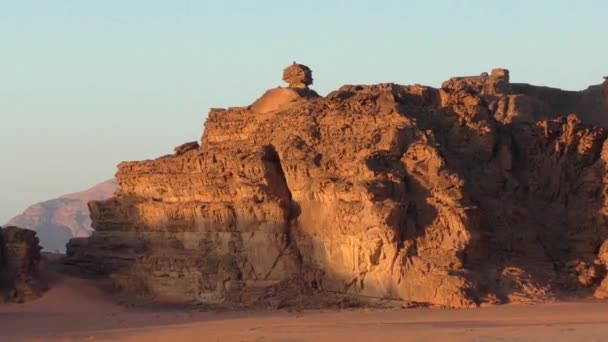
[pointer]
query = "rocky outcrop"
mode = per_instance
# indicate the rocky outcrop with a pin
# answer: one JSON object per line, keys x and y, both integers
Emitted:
{"x": 477, "y": 192}
{"x": 590, "y": 105}
{"x": 58, "y": 220}
{"x": 19, "y": 259}
{"x": 297, "y": 76}
{"x": 183, "y": 148}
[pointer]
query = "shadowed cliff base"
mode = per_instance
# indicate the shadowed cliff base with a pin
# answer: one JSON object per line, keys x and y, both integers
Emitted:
{"x": 478, "y": 192}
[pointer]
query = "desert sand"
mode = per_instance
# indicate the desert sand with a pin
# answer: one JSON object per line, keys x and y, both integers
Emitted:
{"x": 82, "y": 310}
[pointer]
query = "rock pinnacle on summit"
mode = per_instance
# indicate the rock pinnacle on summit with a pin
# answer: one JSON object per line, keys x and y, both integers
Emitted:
{"x": 297, "y": 76}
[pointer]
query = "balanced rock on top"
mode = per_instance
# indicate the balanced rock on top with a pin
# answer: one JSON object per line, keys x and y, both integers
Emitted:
{"x": 297, "y": 76}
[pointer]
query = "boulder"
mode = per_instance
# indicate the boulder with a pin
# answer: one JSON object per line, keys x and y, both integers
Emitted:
{"x": 297, "y": 76}
{"x": 185, "y": 147}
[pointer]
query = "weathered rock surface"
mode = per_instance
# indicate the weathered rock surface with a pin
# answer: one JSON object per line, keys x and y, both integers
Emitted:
{"x": 58, "y": 220}
{"x": 481, "y": 191}
{"x": 19, "y": 259}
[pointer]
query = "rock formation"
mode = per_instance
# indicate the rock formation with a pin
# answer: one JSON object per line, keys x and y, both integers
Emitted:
{"x": 482, "y": 191}
{"x": 19, "y": 259}
{"x": 58, "y": 220}
{"x": 298, "y": 76}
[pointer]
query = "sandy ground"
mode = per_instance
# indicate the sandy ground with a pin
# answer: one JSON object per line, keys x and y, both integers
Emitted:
{"x": 79, "y": 310}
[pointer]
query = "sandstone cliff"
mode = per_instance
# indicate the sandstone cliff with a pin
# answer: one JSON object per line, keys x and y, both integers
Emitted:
{"x": 481, "y": 191}
{"x": 58, "y": 220}
{"x": 19, "y": 259}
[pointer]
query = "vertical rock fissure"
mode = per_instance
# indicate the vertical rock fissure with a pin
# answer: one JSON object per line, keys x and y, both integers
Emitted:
{"x": 289, "y": 204}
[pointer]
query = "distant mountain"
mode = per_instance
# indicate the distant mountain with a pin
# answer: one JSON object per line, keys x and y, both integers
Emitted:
{"x": 60, "y": 219}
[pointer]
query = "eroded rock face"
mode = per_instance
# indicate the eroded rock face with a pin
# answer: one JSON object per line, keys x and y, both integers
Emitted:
{"x": 456, "y": 196}
{"x": 19, "y": 259}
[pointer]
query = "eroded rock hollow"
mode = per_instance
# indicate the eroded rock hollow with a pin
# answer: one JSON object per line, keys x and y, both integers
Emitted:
{"x": 481, "y": 191}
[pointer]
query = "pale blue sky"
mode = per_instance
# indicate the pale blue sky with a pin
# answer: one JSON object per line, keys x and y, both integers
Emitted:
{"x": 87, "y": 84}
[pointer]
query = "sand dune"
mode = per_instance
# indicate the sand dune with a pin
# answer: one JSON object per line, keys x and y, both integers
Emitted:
{"x": 81, "y": 310}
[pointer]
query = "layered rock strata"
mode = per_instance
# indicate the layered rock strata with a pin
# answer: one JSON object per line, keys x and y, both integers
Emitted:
{"x": 481, "y": 191}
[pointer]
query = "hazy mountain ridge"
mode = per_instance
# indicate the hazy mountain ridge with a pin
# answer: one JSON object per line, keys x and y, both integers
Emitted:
{"x": 60, "y": 219}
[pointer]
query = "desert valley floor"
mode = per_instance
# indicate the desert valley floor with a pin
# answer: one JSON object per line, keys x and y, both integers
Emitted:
{"x": 80, "y": 310}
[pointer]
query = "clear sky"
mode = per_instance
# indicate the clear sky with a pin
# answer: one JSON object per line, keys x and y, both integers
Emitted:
{"x": 87, "y": 84}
